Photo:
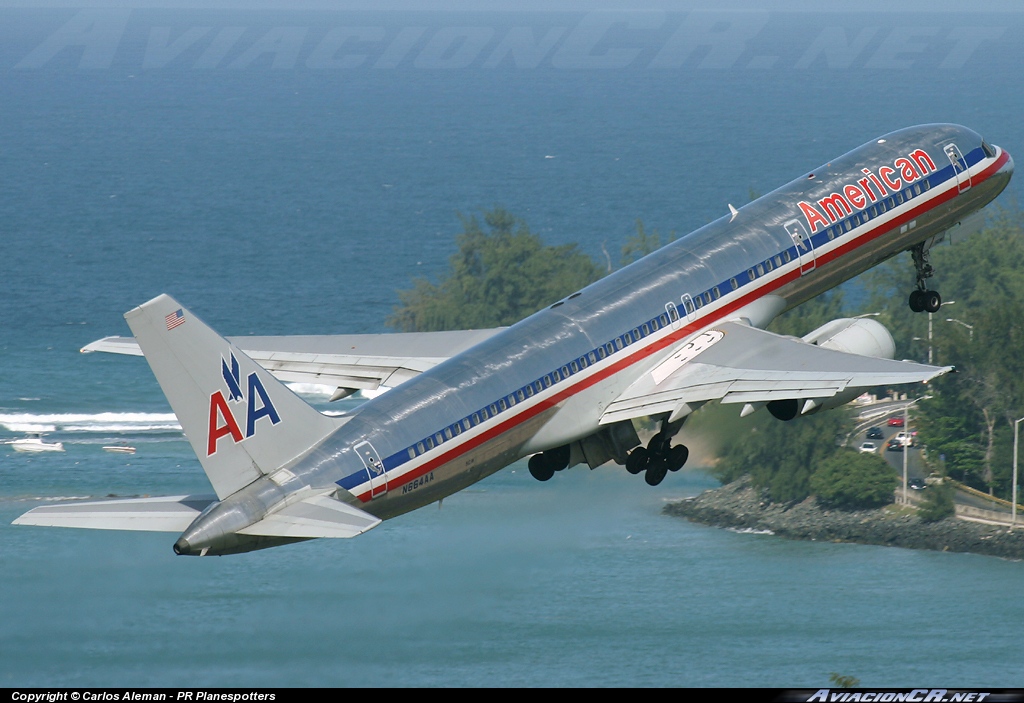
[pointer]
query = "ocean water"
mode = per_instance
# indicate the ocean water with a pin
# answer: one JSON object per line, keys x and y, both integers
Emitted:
{"x": 222, "y": 157}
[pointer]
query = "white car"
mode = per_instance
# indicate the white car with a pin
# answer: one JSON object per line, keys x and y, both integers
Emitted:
{"x": 868, "y": 448}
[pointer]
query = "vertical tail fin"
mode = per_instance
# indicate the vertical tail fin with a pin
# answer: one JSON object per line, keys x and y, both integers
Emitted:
{"x": 241, "y": 421}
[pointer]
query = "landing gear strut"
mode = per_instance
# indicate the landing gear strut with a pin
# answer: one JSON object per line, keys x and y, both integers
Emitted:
{"x": 922, "y": 299}
{"x": 658, "y": 457}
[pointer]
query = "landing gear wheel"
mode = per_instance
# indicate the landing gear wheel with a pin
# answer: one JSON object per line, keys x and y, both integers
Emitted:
{"x": 637, "y": 460}
{"x": 922, "y": 299}
{"x": 540, "y": 468}
{"x": 677, "y": 457}
{"x": 656, "y": 470}
{"x": 931, "y": 301}
{"x": 916, "y": 300}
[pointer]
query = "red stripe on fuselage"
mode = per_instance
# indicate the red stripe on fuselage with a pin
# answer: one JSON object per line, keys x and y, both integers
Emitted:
{"x": 678, "y": 335}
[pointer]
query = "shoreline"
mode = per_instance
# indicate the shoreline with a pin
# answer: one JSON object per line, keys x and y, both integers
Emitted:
{"x": 739, "y": 505}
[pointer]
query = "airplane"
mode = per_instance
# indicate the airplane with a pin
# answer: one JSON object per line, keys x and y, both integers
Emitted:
{"x": 681, "y": 327}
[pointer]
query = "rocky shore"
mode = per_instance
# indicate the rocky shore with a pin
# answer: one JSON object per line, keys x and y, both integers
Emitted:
{"x": 740, "y": 505}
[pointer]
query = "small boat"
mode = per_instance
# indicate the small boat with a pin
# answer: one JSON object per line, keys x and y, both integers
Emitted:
{"x": 121, "y": 448}
{"x": 35, "y": 443}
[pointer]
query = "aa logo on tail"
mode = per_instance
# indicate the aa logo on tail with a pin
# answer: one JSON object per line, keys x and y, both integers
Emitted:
{"x": 255, "y": 398}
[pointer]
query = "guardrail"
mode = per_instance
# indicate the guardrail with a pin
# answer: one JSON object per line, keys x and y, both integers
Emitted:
{"x": 968, "y": 512}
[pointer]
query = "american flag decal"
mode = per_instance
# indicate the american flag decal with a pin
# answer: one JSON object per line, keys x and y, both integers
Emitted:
{"x": 174, "y": 319}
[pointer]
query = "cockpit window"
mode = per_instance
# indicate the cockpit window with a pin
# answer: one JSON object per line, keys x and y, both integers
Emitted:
{"x": 989, "y": 151}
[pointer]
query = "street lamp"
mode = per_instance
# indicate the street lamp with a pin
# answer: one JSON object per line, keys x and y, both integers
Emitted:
{"x": 970, "y": 328}
{"x": 948, "y": 302}
{"x": 1013, "y": 509}
{"x": 922, "y": 339}
{"x": 906, "y": 444}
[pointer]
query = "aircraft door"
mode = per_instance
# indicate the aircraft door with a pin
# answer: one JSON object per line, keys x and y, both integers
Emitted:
{"x": 688, "y": 307}
{"x": 374, "y": 468}
{"x": 963, "y": 178}
{"x": 804, "y": 246}
{"x": 675, "y": 319}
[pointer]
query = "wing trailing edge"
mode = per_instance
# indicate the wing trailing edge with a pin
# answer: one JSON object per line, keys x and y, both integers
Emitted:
{"x": 349, "y": 362}
{"x": 735, "y": 363}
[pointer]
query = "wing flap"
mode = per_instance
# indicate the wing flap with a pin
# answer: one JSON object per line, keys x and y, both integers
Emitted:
{"x": 736, "y": 363}
{"x": 161, "y": 514}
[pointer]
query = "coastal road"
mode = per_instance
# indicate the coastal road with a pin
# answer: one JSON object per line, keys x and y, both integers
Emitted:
{"x": 877, "y": 415}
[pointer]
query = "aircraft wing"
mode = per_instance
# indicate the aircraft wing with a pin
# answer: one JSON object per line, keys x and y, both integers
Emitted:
{"x": 349, "y": 362}
{"x": 735, "y": 363}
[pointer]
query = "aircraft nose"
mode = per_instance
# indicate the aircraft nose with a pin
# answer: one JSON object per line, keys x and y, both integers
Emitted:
{"x": 1008, "y": 166}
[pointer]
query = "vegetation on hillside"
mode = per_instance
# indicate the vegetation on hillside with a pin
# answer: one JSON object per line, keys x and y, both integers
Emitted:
{"x": 851, "y": 480}
{"x": 501, "y": 273}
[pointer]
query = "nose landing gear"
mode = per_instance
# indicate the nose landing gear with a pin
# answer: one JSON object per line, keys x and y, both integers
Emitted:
{"x": 922, "y": 299}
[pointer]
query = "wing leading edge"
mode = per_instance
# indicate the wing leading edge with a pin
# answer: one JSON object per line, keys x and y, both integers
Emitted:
{"x": 735, "y": 363}
{"x": 349, "y": 362}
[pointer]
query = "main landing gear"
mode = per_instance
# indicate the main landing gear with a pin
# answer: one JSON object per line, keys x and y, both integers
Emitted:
{"x": 922, "y": 299}
{"x": 544, "y": 465}
{"x": 658, "y": 457}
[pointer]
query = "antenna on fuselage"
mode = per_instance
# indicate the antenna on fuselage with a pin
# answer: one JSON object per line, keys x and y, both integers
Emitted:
{"x": 734, "y": 212}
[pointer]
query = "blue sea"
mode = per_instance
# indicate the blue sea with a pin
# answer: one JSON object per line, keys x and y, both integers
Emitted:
{"x": 287, "y": 172}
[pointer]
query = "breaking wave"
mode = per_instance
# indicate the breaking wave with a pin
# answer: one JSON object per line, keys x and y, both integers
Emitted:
{"x": 93, "y": 422}
{"x": 749, "y": 531}
{"x": 312, "y": 389}
{"x": 319, "y": 391}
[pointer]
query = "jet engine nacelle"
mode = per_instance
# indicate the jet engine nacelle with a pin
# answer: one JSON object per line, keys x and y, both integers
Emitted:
{"x": 861, "y": 336}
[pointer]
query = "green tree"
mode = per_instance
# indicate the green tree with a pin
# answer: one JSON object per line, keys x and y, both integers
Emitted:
{"x": 811, "y": 315}
{"x": 641, "y": 244}
{"x": 782, "y": 456}
{"x": 853, "y": 480}
{"x": 938, "y": 503}
{"x": 950, "y": 431}
{"x": 970, "y": 417}
{"x": 498, "y": 276}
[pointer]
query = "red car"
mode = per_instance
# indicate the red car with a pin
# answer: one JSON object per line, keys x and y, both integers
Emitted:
{"x": 895, "y": 422}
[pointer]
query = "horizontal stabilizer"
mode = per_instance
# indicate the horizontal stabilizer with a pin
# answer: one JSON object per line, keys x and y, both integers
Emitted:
{"x": 735, "y": 363}
{"x": 163, "y": 514}
{"x": 317, "y": 516}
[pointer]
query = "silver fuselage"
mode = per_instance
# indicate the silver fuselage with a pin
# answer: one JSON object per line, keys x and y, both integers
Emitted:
{"x": 545, "y": 382}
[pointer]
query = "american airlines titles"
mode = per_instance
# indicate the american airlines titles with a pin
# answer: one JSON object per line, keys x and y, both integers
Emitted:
{"x": 870, "y": 189}
{"x": 222, "y": 420}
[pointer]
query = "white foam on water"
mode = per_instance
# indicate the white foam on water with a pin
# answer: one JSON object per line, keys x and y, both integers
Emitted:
{"x": 89, "y": 422}
{"x": 30, "y": 427}
{"x": 749, "y": 531}
{"x": 313, "y": 389}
